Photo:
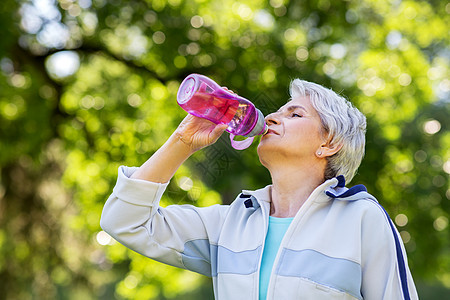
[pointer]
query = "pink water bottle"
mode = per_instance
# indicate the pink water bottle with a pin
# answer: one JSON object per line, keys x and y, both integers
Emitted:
{"x": 202, "y": 97}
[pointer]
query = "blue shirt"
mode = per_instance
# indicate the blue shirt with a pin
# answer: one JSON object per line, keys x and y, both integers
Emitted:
{"x": 275, "y": 233}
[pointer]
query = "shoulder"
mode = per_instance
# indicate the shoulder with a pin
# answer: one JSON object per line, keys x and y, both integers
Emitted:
{"x": 373, "y": 211}
{"x": 358, "y": 200}
{"x": 377, "y": 227}
{"x": 363, "y": 210}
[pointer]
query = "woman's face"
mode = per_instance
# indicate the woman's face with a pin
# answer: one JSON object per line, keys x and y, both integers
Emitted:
{"x": 295, "y": 131}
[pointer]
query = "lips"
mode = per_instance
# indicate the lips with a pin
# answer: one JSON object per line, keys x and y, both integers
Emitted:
{"x": 271, "y": 131}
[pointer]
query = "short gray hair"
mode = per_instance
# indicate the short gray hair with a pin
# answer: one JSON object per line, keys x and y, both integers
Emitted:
{"x": 342, "y": 122}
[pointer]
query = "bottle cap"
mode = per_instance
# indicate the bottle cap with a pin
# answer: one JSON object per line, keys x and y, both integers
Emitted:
{"x": 260, "y": 126}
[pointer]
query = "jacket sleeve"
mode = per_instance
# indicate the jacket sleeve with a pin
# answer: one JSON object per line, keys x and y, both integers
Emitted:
{"x": 179, "y": 235}
{"x": 386, "y": 274}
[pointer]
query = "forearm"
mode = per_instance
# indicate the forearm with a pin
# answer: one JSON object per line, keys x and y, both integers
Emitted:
{"x": 192, "y": 134}
{"x": 163, "y": 164}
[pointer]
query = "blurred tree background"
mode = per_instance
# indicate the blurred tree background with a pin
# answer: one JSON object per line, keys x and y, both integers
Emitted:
{"x": 89, "y": 85}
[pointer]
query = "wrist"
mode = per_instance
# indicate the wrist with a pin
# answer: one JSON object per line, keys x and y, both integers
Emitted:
{"x": 163, "y": 164}
{"x": 179, "y": 145}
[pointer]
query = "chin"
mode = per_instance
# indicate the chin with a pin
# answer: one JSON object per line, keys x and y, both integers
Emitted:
{"x": 265, "y": 151}
{"x": 268, "y": 145}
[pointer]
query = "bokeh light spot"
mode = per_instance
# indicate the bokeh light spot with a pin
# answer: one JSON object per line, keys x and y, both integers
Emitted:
{"x": 401, "y": 220}
{"x": 431, "y": 127}
{"x": 63, "y": 64}
{"x": 103, "y": 238}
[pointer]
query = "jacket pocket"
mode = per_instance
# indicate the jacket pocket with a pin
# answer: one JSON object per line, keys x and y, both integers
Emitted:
{"x": 308, "y": 289}
{"x": 294, "y": 288}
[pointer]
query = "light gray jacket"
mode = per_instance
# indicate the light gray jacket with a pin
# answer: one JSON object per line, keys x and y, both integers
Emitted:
{"x": 340, "y": 245}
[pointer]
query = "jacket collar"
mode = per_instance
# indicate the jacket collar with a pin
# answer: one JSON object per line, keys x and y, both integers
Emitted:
{"x": 340, "y": 192}
{"x": 333, "y": 188}
{"x": 261, "y": 194}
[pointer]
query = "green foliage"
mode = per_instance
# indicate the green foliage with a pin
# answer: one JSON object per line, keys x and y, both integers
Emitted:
{"x": 67, "y": 125}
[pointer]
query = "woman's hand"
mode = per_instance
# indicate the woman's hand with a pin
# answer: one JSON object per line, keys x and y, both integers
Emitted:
{"x": 197, "y": 133}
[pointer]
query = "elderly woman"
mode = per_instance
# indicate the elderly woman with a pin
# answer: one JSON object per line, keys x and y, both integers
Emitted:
{"x": 306, "y": 236}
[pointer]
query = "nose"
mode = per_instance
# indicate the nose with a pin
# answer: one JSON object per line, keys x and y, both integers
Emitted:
{"x": 272, "y": 119}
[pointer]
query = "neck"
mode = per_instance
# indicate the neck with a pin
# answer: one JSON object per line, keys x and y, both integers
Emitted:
{"x": 291, "y": 188}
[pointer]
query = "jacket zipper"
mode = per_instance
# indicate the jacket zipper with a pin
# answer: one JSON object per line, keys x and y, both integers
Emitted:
{"x": 298, "y": 218}
{"x": 265, "y": 216}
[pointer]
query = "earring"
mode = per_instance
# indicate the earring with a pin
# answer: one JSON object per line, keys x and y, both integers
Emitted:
{"x": 319, "y": 153}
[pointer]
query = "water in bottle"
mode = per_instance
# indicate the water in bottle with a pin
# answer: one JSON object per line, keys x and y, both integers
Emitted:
{"x": 202, "y": 97}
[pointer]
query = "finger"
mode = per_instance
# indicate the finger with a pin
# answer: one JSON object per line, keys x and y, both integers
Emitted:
{"x": 222, "y": 127}
{"x": 227, "y": 89}
{"x": 218, "y": 131}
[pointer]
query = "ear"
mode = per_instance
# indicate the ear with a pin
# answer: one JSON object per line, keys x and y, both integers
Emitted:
{"x": 328, "y": 149}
